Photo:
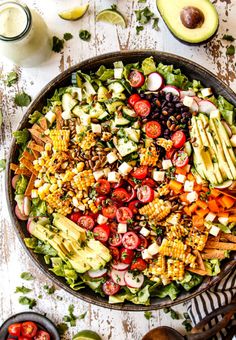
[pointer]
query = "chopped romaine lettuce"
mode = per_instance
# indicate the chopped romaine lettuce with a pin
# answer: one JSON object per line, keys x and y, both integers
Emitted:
{"x": 190, "y": 280}
{"x": 21, "y": 185}
{"x": 38, "y": 208}
{"x": 212, "y": 267}
{"x": 170, "y": 290}
{"x": 173, "y": 76}
{"x": 40, "y": 247}
{"x": 128, "y": 68}
{"x": 148, "y": 66}
{"x": 22, "y": 137}
{"x": 104, "y": 74}
{"x": 34, "y": 117}
{"x": 196, "y": 85}
{"x": 141, "y": 297}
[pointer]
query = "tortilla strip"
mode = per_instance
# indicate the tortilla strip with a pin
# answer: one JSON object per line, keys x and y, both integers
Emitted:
{"x": 30, "y": 185}
{"x": 221, "y": 245}
{"x": 43, "y": 123}
{"x": 38, "y": 141}
{"x": 199, "y": 259}
{"x": 33, "y": 146}
{"x": 197, "y": 271}
{"x": 59, "y": 120}
{"x": 13, "y": 166}
{"x": 229, "y": 237}
{"x": 213, "y": 254}
{"x": 28, "y": 155}
{"x": 228, "y": 193}
{"x": 23, "y": 171}
{"x": 28, "y": 165}
{"x": 36, "y": 154}
{"x": 39, "y": 135}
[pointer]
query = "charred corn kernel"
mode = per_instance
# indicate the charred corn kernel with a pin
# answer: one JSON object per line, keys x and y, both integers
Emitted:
{"x": 175, "y": 269}
{"x": 157, "y": 267}
{"x": 64, "y": 165}
{"x": 174, "y": 249}
{"x": 164, "y": 143}
{"x": 60, "y": 139}
{"x": 83, "y": 180}
{"x": 80, "y": 166}
{"x": 86, "y": 139}
{"x": 48, "y": 147}
{"x": 68, "y": 176}
{"x": 53, "y": 187}
{"x": 149, "y": 156}
{"x": 106, "y": 136}
{"x": 43, "y": 190}
{"x": 93, "y": 207}
{"x": 197, "y": 239}
{"x": 85, "y": 201}
{"x": 156, "y": 210}
{"x": 162, "y": 191}
{"x": 38, "y": 183}
{"x": 59, "y": 183}
{"x": 53, "y": 180}
{"x": 79, "y": 195}
{"x": 174, "y": 218}
{"x": 59, "y": 203}
{"x": 190, "y": 260}
{"x": 70, "y": 193}
{"x": 49, "y": 210}
{"x": 34, "y": 193}
{"x": 41, "y": 161}
{"x": 44, "y": 154}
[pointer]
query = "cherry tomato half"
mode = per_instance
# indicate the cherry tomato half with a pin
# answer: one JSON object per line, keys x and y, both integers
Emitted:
{"x": 29, "y": 329}
{"x": 145, "y": 194}
{"x": 170, "y": 153}
{"x": 115, "y": 253}
{"x": 142, "y": 107}
{"x": 140, "y": 173}
{"x": 126, "y": 255}
{"x": 120, "y": 195}
{"x": 102, "y": 187}
{"x": 153, "y": 129}
{"x": 110, "y": 287}
{"x": 180, "y": 159}
{"x": 14, "y": 329}
{"x": 143, "y": 243}
{"x": 75, "y": 216}
{"x": 24, "y": 338}
{"x": 42, "y": 335}
{"x": 101, "y": 232}
{"x": 115, "y": 240}
{"x": 86, "y": 222}
{"x": 136, "y": 78}
{"x": 133, "y": 206}
{"x": 149, "y": 181}
{"x": 100, "y": 200}
{"x": 134, "y": 98}
{"x": 138, "y": 264}
{"x": 130, "y": 240}
{"x": 124, "y": 214}
{"x": 178, "y": 139}
{"x": 109, "y": 211}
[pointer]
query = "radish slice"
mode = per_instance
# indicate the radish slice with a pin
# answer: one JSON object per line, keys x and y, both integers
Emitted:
{"x": 118, "y": 277}
{"x": 171, "y": 89}
{"x": 197, "y": 99}
{"x": 194, "y": 107}
{"x": 21, "y": 216}
{"x": 94, "y": 274}
{"x": 227, "y": 128}
{"x": 154, "y": 81}
{"x": 120, "y": 266}
{"x": 224, "y": 185}
{"x": 26, "y": 206}
{"x": 14, "y": 180}
{"x": 134, "y": 281}
{"x": 188, "y": 93}
{"x": 206, "y": 106}
{"x": 30, "y": 219}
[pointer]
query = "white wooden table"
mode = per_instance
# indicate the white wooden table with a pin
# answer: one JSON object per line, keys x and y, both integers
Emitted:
{"x": 105, "y": 38}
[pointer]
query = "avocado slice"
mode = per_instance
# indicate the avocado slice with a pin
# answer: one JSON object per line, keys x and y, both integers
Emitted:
{"x": 190, "y": 21}
{"x": 68, "y": 227}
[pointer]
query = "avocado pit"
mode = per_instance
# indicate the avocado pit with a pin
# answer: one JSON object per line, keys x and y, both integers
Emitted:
{"x": 192, "y": 17}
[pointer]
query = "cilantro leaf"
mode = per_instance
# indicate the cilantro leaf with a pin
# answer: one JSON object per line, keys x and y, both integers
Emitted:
{"x": 67, "y": 36}
{"x": 139, "y": 29}
{"x": 34, "y": 117}
{"x": 57, "y": 44}
{"x": 26, "y": 276}
{"x": 155, "y": 23}
{"x": 21, "y": 136}
{"x": 49, "y": 290}
{"x": 12, "y": 78}
{"x": 23, "y": 290}
{"x": 143, "y": 16}
{"x": 71, "y": 318}
{"x": 82, "y": 316}
{"x": 85, "y": 35}
{"x": 228, "y": 37}
{"x": 2, "y": 164}
{"x": 230, "y": 50}
{"x": 22, "y": 99}
{"x": 148, "y": 315}
{"x": 62, "y": 328}
{"x": 23, "y": 300}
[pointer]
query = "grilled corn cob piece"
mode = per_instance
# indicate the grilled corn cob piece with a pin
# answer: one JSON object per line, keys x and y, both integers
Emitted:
{"x": 190, "y": 260}
{"x": 93, "y": 207}
{"x": 165, "y": 143}
{"x": 162, "y": 191}
{"x": 157, "y": 267}
{"x": 174, "y": 218}
{"x": 156, "y": 210}
{"x": 83, "y": 180}
{"x": 60, "y": 139}
{"x": 176, "y": 231}
{"x": 175, "y": 269}
{"x": 175, "y": 249}
{"x": 59, "y": 204}
{"x": 197, "y": 239}
{"x": 149, "y": 156}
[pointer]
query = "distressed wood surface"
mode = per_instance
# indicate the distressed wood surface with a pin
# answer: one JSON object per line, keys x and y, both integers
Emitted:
{"x": 105, "y": 38}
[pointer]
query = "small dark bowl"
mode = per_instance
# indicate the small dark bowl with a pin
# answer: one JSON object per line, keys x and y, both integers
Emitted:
{"x": 42, "y": 321}
{"x": 193, "y": 71}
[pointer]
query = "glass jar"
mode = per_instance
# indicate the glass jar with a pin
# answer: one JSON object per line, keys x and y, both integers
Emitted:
{"x": 24, "y": 36}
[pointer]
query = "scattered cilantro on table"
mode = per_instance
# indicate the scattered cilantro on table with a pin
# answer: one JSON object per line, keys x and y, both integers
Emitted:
{"x": 230, "y": 50}
{"x": 23, "y": 300}
{"x": 139, "y": 29}
{"x": 57, "y": 44}
{"x": 71, "y": 318}
{"x": 12, "y": 78}
{"x": 62, "y": 328}
{"x": 22, "y": 99}
{"x": 49, "y": 290}
{"x": 228, "y": 37}
{"x": 143, "y": 16}
{"x": 85, "y": 35}
{"x": 155, "y": 24}
{"x": 2, "y": 164}
{"x": 26, "y": 276}
{"x": 173, "y": 314}
{"x": 23, "y": 290}
{"x": 148, "y": 315}
{"x": 67, "y": 36}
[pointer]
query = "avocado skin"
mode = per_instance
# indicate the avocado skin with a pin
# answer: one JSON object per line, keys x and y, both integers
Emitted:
{"x": 186, "y": 42}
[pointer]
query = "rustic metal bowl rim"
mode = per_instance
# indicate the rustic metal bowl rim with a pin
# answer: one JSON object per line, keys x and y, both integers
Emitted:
{"x": 55, "y": 83}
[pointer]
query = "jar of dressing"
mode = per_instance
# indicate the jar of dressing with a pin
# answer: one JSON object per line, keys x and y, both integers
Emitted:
{"x": 24, "y": 36}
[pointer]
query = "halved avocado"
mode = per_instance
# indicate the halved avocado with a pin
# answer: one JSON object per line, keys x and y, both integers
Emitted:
{"x": 190, "y": 21}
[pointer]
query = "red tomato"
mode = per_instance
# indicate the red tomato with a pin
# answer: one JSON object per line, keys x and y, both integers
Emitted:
{"x": 130, "y": 240}
{"x": 114, "y": 253}
{"x": 75, "y": 216}
{"x": 86, "y": 222}
{"x": 113, "y": 227}
{"x": 142, "y": 107}
{"x": 99, "y": 200}
{"x": 127, "y": 255}
{"x": 29, "y": 329}
{"x": 120, "y": 195}
{"x": 143, "y": 243}
{"x": 153, "y": 129}
{"x": 115, "y": 240}
{"x": 103, "y": 187}
{"x": 109, "y": 211}
{"x": 132, "y": 195}
{"x": 101, "y": 232}
{"x": 14, "y": 329}
{"x": 180, "y": 159}
{"x": 133, "y": 206}
{"x": 178, "y": 138}
{"x": 118, "y": 184}
{"x": 42, "y": 335}
{"x": 136, "y": 78}
{"x": 124, "y": 214}
{"x": 140, "y": 173}
{"x": 139, "y": 264}
{"x": 24, "y": 338}
{"x": 170, "y": 153}
{"x": 110, "y": 287}
{"x": 149, "y": 181}
{"x": 145, "y": 194}
{"x": 133, "y": 99}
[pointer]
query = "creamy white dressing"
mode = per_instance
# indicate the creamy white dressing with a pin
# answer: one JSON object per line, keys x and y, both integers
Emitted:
{"x": 13, "y": 20}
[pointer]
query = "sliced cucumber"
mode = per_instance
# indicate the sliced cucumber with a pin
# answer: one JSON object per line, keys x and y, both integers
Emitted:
{"x": 78, "y": 110}
{"x": 103, "y": 94}
{"x": 97, "y": 110}
{"x": 112, "y": 107}
{"x": 121, "y": 121}
{"x": 68, "y": 103}
{"x": 118, "y": 73}
{"x": 129, "y": 113}
{"x": 132, "y": 134}
{"x": 120, "y": 96}
{"x": 188, "y": 148}
{"x": 89, "y": 89}
{"x": 104, "y": 116}
{"x": 136, "y": 125}
{"x": 126, "y": 147}
{"x": 116, "y": 87}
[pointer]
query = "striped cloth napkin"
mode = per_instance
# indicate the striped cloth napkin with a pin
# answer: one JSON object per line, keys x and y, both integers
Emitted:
{"x": 219, "y": 295}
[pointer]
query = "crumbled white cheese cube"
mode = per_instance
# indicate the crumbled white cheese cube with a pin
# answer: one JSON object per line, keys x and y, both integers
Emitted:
{"x": 188, "y": 101}
{"x": 101, "y": 219}
{"x": 50, "y": 116}
{"x": 144, "y": 231}
{"x": 96, "y": 128}
{"x": 118, "y": 72}
{"x": 207, "y": 91}
{"x": 85, "y": 119}
{"x": 188, "y": 185}
{"x": 111, "y": 157}
{"x": 38, "y": 183}
{"x": 146, "y": 255}
{"x": 98, "y": 174}
{"x": 214, "y": 114}
{"x": 158, "y": 176}
{"x": 180, "y": 178}
{"x": 210, "y": 217}
{"x": 173, "y": 219}
{"x": 106, "y": 171}
{"x": 192, "y": 196}
{"x": 75, "y": 202}
{"x": 81, "y": 207}
{"x": 214, "y": 230}
{"x": 122, "y": 228}
{"x": 124, "y": 169}
{"x": 223, "y": 220}
{"x": 113, "y": 176}
{"x": 66, "y": 115}
{"x": 166, "y": 164}
{"x": 153, "y": 249}
{"x": 78, "y": 91}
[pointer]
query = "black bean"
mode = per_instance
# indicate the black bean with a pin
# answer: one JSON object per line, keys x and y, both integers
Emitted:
{"x": 179, "y": 105}
{"x": 142, "y": 95}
